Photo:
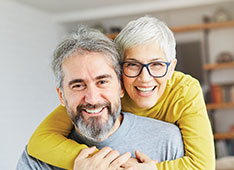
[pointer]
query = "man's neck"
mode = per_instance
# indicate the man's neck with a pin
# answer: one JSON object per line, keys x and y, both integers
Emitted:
{"x": 116, "y": 125}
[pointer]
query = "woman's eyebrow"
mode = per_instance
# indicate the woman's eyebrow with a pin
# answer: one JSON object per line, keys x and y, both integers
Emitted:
{"x": 154, "y": 59}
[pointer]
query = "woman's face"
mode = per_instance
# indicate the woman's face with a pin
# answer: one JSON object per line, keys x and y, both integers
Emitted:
{"x": 144, "y": 89}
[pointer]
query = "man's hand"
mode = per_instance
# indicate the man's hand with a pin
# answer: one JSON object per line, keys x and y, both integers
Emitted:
{"x": 141, "y": 162}
{"x": 105, "y": 159}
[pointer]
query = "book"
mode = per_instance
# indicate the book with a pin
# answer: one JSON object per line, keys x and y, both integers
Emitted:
{"x": 216, "y": 93}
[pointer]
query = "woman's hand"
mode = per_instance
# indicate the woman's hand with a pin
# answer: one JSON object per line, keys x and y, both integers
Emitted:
{"x": 105, "y": 159}
{"x": 141, "y": 162}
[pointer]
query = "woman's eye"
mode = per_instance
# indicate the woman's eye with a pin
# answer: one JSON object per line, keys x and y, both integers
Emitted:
{"x": 157, "y": 64}
{"x": 132, "y": 65}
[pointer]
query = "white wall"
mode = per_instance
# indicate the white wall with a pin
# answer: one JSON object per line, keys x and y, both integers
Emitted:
{"x": 27, "y": 39}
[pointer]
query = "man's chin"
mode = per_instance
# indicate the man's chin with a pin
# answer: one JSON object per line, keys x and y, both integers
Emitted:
{"x": 95, "y": 128}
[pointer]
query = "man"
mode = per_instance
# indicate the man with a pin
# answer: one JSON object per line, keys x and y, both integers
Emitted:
{"x": 88, "y": 84}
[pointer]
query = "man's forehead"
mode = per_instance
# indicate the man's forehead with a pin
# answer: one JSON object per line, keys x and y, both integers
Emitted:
{"x": 91, "y": 66}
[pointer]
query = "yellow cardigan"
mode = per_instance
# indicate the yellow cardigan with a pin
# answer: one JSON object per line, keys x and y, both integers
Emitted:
{"x": 182, "y": 103}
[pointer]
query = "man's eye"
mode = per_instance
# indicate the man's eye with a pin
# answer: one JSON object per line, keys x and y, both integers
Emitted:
{"x": 78, "y": 86}
{"x": 102, "y": 82}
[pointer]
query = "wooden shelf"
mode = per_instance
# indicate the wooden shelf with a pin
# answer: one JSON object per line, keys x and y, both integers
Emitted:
{"x": 112, "y": 36}
{"x": 223, "y": 136}
{"x": 195, "y": 27}
{"x": 198, "y": 27}
{"x": 218, "y": 66}
{"x": 213, "y": 106}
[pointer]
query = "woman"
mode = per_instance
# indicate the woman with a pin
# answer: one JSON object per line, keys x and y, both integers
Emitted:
{"x": 154, "y": 89}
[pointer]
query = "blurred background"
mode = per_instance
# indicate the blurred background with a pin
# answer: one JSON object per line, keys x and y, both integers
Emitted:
{"x": 30, "y": 30}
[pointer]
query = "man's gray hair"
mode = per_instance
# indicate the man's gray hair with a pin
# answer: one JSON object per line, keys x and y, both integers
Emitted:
{"x": 84, "y": 40}
{"x": 143, "y": 30}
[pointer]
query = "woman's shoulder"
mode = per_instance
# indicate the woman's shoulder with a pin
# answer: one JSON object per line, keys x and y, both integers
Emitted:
{"x": 180, "y": 79}
{"x": 181, "y": 85}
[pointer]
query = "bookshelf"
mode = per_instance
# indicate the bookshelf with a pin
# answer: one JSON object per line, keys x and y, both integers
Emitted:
{"x": 222, "y": 103}
{"x": 208, "y": 67}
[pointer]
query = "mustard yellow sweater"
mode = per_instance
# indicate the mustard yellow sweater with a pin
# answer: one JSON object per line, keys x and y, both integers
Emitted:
{"x": 182, "y": 103}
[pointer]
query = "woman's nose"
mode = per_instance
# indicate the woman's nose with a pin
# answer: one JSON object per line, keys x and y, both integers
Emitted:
{"x": 145, "y": 75}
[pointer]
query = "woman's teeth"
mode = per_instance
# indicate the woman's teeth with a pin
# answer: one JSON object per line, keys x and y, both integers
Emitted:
{"x": 145, "y": 89}
{"x": 92, "y": 111}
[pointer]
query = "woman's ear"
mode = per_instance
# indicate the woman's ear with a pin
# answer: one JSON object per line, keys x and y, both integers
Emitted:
{"x": 122, "y": 92}
{"x": 60, "y": 94}
{"x": 172, "y": 68}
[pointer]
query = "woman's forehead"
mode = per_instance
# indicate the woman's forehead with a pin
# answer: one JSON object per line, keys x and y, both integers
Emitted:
{"x": 145, "y": 52}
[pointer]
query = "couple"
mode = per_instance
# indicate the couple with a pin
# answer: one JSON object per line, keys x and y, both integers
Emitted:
{"x": 88, "y": 83}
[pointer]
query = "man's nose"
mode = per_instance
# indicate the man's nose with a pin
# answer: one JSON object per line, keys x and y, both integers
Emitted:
{"x": 92, "y": 95}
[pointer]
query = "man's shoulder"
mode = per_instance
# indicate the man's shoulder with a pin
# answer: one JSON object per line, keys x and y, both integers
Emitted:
{"x": 27, "y": 162}
{"x": 161, "y": 137}
{"x": 148, "y": 123}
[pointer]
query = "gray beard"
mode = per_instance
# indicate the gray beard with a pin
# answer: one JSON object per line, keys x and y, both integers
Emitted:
{"x": 94, "y": 129}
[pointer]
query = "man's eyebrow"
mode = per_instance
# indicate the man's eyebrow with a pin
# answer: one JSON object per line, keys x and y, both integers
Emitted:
{"x": 103, "y": 76}
{"x": 75, "y": 81}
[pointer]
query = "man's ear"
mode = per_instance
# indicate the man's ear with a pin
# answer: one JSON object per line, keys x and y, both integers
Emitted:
{"x": 60, "y": 94}
{"x": 172, "y": 68}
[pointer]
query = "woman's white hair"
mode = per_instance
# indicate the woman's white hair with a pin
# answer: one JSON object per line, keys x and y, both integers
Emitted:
{"x": 144, "y": 30}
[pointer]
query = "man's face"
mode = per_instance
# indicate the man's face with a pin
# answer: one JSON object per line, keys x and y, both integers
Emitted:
{"x": 91, "y": 94}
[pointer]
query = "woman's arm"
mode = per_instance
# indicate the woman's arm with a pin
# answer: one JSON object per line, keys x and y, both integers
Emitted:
{"x": 196, "y": 132}
{"x": 49, "y": 143}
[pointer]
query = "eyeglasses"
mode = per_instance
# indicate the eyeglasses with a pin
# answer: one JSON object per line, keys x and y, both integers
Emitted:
{"x": 156, "y": 69}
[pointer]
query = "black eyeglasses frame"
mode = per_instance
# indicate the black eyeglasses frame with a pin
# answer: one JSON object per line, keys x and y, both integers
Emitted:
{"x": 147, "y": 67}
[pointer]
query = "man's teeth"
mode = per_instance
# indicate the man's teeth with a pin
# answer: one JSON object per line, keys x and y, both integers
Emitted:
{"x": 94, "y": 110}
{"x": 145, "y": 89}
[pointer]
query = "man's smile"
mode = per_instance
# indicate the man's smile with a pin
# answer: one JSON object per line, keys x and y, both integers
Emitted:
{"x": 94, "y": 110}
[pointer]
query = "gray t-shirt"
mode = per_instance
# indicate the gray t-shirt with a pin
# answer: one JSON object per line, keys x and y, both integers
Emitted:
{"x": 157, "y": 139}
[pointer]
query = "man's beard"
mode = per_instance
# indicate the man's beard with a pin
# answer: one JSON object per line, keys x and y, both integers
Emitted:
{"x": 95, "y": 128}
